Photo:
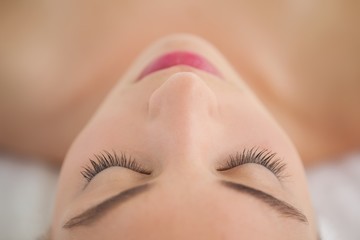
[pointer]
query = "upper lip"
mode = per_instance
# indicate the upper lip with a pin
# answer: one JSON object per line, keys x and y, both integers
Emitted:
{"x": 179, "y": 58}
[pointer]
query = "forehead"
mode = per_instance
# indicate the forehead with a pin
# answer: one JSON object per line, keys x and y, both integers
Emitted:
{"x": 218, "y": 214}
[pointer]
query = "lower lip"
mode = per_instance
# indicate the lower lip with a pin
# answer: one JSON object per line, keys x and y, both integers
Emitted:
{"x": 179, "y": 58}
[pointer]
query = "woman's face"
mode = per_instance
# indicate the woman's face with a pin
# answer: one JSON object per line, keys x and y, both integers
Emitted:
{"x": 182, "y": 154}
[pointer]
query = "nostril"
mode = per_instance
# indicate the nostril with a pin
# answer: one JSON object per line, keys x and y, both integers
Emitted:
{"x": 183, "y": 93}
{"x": 188, "y": 83}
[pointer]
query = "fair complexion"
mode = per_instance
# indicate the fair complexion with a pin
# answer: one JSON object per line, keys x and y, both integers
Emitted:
{"x": 59, "y": 59}
{"x": 181, "y": 124}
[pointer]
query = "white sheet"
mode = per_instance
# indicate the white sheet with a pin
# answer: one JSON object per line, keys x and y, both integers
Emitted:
{"x": 27, "y": 194}
{"x": 26, "y": 198}
{"x": 335, "y": 190}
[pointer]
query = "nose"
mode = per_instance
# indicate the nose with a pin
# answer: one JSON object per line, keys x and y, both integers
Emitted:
{"x": 184, "y": 104}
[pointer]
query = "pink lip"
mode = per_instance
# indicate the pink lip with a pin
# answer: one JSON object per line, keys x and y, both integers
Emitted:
{"x": 179, "y": 58}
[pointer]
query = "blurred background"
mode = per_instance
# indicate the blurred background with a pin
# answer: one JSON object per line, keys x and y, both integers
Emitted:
{"x": 58, "y": 59}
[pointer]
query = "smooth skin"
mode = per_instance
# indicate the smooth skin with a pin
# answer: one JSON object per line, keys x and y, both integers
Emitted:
{"x": 59, "y": 60}
{"x": 182, "y": 123}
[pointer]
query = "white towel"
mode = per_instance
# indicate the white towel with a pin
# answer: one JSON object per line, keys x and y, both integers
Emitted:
{"x": 26, "y": 199}
{"x": 335, "y": 191}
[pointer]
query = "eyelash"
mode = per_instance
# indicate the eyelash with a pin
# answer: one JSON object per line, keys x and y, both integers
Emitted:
{"x": 106, "y": 160}
{"x": 262, "y": 157}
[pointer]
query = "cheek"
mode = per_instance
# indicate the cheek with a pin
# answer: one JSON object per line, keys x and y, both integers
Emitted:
{"x": 249, "y": 125}
{"x": 105, "y": 132}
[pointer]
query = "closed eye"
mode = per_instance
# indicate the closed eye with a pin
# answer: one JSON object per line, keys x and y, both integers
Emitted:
{"x": 255, "y": 155}
{"x": 106, "y": 160}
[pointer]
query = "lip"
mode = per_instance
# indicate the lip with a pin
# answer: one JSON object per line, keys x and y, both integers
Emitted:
{"x": 180, "y": 58}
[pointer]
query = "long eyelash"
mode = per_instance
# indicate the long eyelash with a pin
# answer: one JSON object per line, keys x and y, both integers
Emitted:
{"x": 106, "y": 159}
{"x": 262, "y": 157}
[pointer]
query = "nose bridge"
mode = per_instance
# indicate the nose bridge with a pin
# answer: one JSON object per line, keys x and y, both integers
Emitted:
{"x": 183, "y": 106}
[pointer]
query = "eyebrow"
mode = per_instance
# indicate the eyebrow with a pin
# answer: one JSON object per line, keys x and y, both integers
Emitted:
{"x": 96, "y": 212}
{"x": 283, "y": 208}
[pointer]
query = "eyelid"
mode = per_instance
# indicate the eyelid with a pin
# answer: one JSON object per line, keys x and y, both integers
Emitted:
{"x": 105, "y": 160}
{"x": 255, "y": 155}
